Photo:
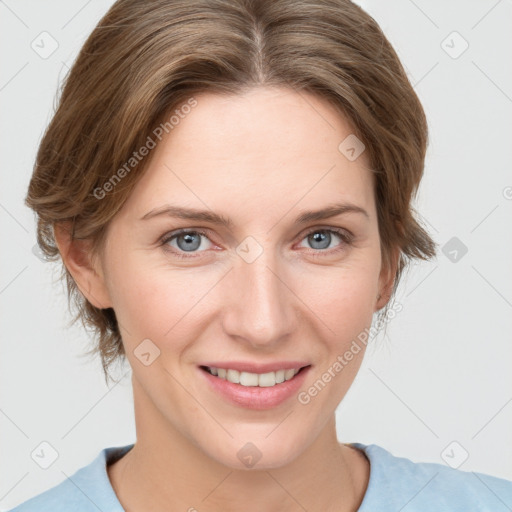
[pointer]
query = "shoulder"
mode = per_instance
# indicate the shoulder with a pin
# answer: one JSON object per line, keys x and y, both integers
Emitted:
{"x": 87, "y": 490}
{"x": 398, "y": 483}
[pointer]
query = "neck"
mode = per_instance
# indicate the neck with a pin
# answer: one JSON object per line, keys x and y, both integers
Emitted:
{"x": 165, "y": 470}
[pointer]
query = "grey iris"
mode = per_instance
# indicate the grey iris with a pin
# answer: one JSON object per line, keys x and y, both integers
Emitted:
{"x": 320, "y": 236}
{"x": 192, "y": 241}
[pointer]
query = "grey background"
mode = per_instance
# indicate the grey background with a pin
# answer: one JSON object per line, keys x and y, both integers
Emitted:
{"x": 437, "y": 387}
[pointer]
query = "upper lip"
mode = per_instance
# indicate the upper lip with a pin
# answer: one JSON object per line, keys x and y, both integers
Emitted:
{"x": 246, "y": 366}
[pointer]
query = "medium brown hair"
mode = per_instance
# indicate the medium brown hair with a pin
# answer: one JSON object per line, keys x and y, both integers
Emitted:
{"x": 146, "y": 58}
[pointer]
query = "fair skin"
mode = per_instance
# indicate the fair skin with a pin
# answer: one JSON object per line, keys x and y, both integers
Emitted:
{"x": 260, "y": 159}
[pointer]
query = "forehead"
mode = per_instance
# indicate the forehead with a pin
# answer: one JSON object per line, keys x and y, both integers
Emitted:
{"x": 265, "y": 149}
{"x": 273, "y": 121}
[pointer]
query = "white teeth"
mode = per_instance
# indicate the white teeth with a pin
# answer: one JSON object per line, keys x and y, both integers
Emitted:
{"x": 248, "y": 379}
{"x": 265, "y": 380}
{"x": 254, "y": 379}
{"x": 233, "y": 376}
{"x": 288, "y": 374}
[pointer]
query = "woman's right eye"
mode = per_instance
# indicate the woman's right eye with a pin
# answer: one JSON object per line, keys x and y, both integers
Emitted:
{"x": 185, "y": 241}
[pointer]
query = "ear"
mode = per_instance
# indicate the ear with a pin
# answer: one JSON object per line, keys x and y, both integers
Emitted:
{"x": 87, "y": 273}
{"x": 387, "y": 279}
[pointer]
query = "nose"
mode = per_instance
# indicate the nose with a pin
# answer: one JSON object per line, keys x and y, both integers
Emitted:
{"x": 260, "y": 306}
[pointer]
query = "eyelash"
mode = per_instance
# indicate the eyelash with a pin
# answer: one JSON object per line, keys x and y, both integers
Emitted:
{"x": 345, "y": 236}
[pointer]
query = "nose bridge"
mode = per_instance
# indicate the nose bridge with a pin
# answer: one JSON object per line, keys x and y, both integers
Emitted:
{"x": 261, "y": 306}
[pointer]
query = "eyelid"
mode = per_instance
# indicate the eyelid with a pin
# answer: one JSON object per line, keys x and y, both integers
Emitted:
{"x": 342, "y": 232}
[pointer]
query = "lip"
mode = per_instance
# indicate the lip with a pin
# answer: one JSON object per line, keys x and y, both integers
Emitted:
{"x": 250, "y": 367}
{"x": 254, "y": 397}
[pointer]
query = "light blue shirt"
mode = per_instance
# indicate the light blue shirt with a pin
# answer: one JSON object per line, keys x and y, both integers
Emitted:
{"x": 395, "y": 484}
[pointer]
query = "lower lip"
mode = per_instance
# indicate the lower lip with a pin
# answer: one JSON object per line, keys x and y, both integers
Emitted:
{"x": 255, "y": 397}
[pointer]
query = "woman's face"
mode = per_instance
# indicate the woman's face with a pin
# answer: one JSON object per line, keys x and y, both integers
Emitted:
{"x": 267, "y": 289}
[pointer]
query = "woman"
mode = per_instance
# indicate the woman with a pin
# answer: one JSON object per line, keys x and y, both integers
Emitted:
{"x": 229, "y": 186}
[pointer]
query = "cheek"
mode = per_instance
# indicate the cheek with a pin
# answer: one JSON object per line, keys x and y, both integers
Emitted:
{"x": 343, "y": 297}
{"x": 157, "y": 302}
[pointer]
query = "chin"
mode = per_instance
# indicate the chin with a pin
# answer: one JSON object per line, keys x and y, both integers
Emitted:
{"x": 260, "y": 453}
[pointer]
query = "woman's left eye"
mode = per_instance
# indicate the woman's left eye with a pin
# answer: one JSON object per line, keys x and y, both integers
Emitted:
{"x": 191, "y": 241}
{"x": 320, "y": 239}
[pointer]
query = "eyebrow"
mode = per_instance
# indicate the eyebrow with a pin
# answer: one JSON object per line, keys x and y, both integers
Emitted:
{"x": 215, "y": 218}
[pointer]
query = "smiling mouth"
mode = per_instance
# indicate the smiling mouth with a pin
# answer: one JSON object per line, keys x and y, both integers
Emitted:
{"x": 249, "y": 379}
